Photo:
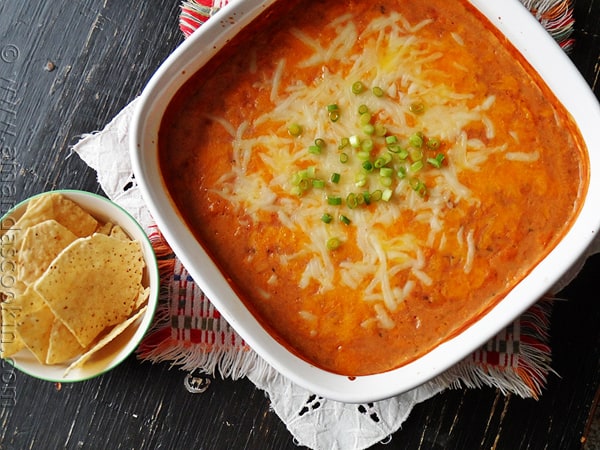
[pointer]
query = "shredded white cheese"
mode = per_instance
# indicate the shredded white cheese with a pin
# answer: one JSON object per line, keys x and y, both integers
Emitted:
{"x": 402, "y": 64}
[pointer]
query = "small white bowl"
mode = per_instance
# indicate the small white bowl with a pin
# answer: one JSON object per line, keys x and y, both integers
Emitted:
{"x": 529, "y": 37}
{"x": 116, "y": 351}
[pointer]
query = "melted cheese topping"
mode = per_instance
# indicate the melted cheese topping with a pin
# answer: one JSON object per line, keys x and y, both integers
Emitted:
{"x": 397, "y": 60}
{"x": 425, "y": 250}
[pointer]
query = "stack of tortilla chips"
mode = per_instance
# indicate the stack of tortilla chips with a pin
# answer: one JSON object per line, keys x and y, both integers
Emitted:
{"x": 75, "y": 284}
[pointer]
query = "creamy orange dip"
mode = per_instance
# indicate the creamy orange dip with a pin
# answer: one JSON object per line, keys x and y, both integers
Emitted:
{"x": 371, "y": 177}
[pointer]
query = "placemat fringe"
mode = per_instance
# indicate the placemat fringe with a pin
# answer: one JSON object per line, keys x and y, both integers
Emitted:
{"x": 230, "y": 361}
{"x": 527, "y": 376}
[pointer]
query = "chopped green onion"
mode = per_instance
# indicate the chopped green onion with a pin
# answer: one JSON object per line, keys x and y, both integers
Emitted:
{"x": 386, "y": 172}
{"x": 360, "y": 199}
{"x": 418, "y": 186}
{"x": 334, "y": 112}
{"x": 385, "y": 181}
{"x": 416, "y": 154}
{"x": 437, "y": 161}
{"x": 314, "y": 150}
{"x": 367, "y": 145}
{"x": 311, "y": 171}
{"x": 363, "y": 155}
{"x": 320, "y": 143}
{"x": 294, "y": 129}
{"x": 343, "y": 158}
{"x": 296, "y": 178}
{"x": 358, "y": 87}
{"x": 363, "y": 109}
{"x": 416, "y": 140}
{"x": 380, "y": 130}
{"x": 391, "y": 139}
{"x": 386, "y": 195}
{"x": 416, "y": 166}
{"x": 401, "y": 172}
{"x": 333, "y": 243}
{"x": 365, "y": 118}
{"x": 334, "y": 200}
{"x": 354, "y": 141}
{"x": 369, "y": 129}
{"x": 326, "y": 218}
{"x": 376, "y": 195}
{"x": 402, "y": 154}
{"x": 367, "y": 166}
{"x": 318, "y": 184}
{"x": 360, "y": 179}
{"x": 345, "y": 220}
{"x": 344, "y": 142}
{"x": 351, "y": 201}
{"x": 304, "y": 184}
{"x": 335, "y": 177}
{"x": 377, "y": 91}
{"x": 367, "y": 197}
{"x": 383, "y": 160}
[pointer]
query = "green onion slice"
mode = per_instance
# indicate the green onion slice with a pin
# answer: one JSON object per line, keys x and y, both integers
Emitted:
{"x": 295, "y": 129}
{"x": 437, "y": 161}
{"x": 334, "y": 200}
{"x": 386, "y": 172}
{"x": 333, "y": 243}
{"x": 416, "y": 140}
{"x": 358, "y": 87}
{"x": 352, "y": 200}
{"x": 377, "y": 91}
{"x": 416, "y": 166}
{"x": 354, "y": 141}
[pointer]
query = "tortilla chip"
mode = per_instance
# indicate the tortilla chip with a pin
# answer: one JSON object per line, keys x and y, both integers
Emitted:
{"x": 34, "y": 329}
{"x": 109, "y": 337}
{"x": 56, "y": 206}
{"x": 104, "y": 228}
{"x": 143, "y": 296}
{"x": 11, "y": 284}
{"x": 10, "y": 342}
{"x": 63, "y": 345}
{"x": 41, "y": 243}
{"x": 13, "y": 313}
{"x": 93, "y": 284}
{"x": 119, "y": 233}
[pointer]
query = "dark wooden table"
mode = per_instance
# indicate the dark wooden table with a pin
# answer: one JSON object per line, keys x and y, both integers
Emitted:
{"x": 68, "y": 67}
